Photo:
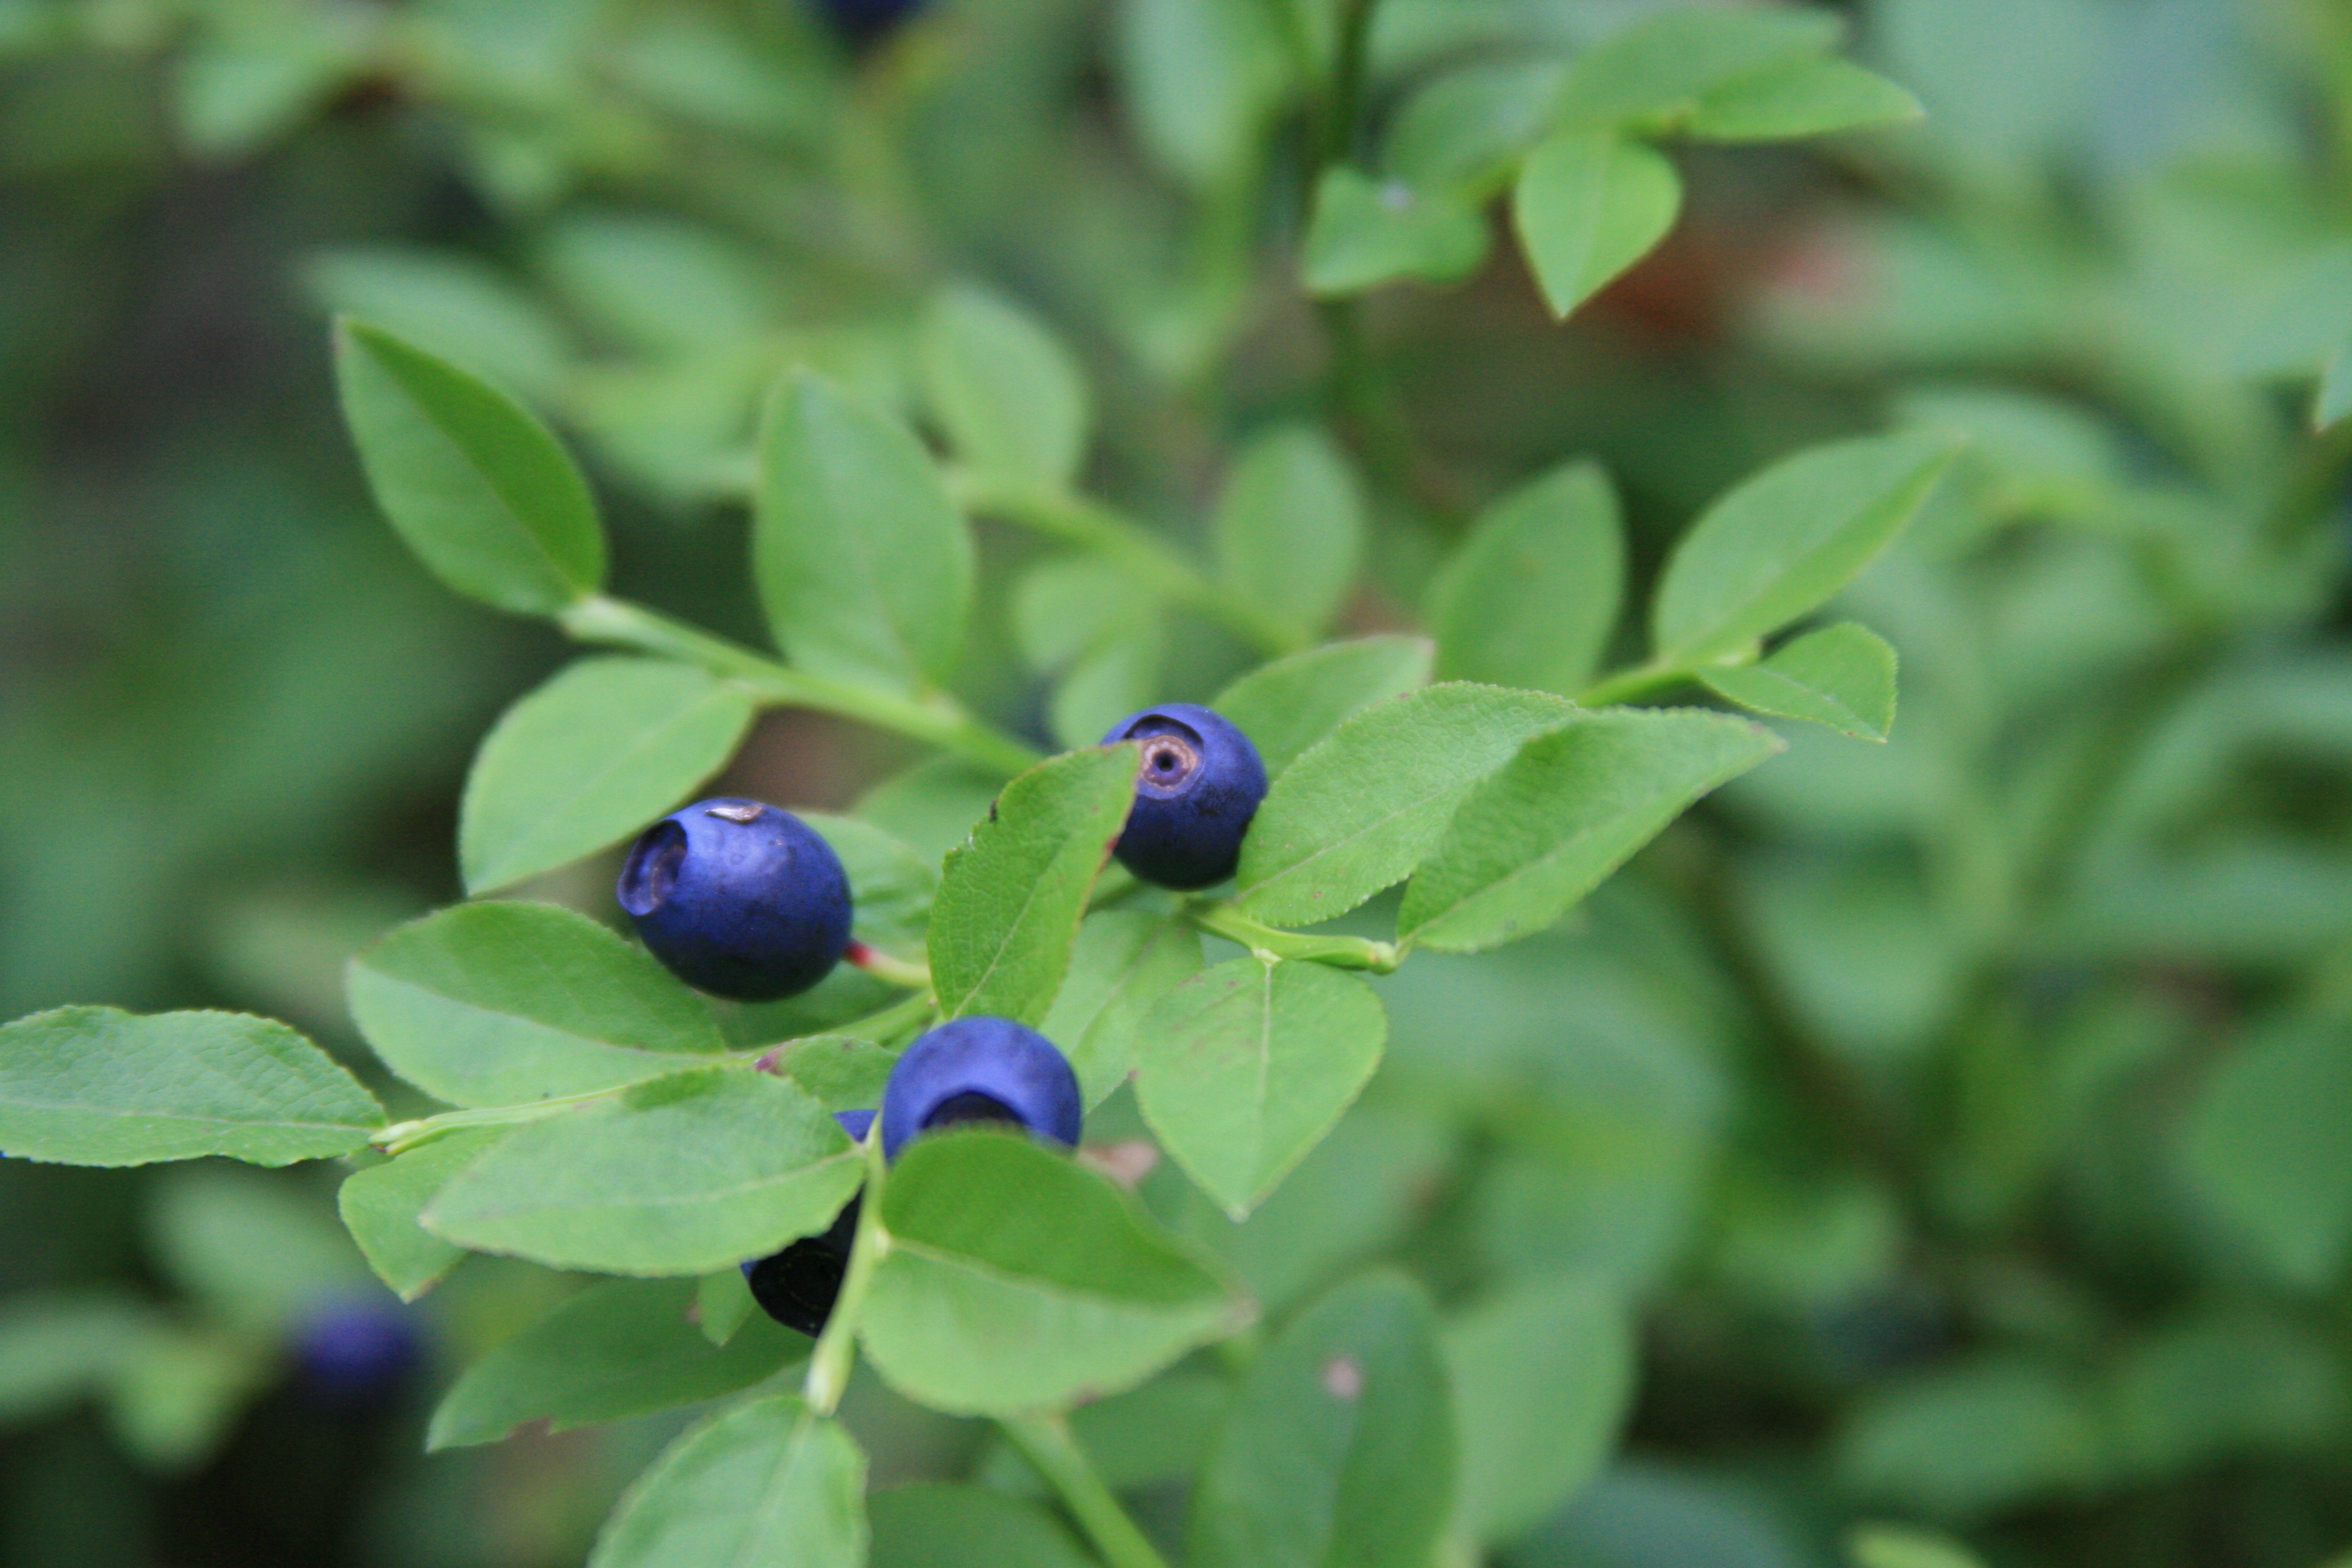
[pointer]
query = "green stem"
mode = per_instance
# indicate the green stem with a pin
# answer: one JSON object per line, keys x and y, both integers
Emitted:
{"x": 1221, "y": 919}
{"x": 1045, "y": 1442}
{"x": 1154, "y": 562}
{"x": 889, "y": 970}
{"x": 938, "y": 719}
{"x": 836, "y": 1348}
{"x": 402, "y": 1136}
{"x": 1642, "y": 681}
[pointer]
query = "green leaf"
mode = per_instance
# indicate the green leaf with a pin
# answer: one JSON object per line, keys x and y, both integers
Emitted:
{"x": 380, "y": 1206}
{"x": 891, "y": 885}
{"x": 171, "y": 1401}
{"x": 1197, "y": 79}
{"x": 971, "y": 1527}
{"x": 1360, "y": 810}
{"x": 932, "y": 805}
{"x": 1287, "y": 706}
{"x": 1115, "y": 677}
{"x": 1655, "y": 74}
{"x": 1469, "y": 126}
{"x": 1340, "y": 1447}
{"x": 1801, "y": 98}
{"x": 1290, "y": 526}
{"x": 768, "y": 1483}
{"x": 478, "y": 488}
{"x": 1779, "y": 546}
{"x": 2263, "y": 1148}
{"x": 1068, "y": 603}
{"x": 1590, "y": 203}
{"x": 1542, "y": 1372}
{"x": 1567, "y": 811}
{"x": 495, "y": 1004}
{"x": 449, "y": 302}
{"x": 1244, "y": 1066}
{"x": 1366, "y": 232}
{"x": 97, "y": 1086}
{"x": 605, "y": 1187}
{"x": 723, "y": 1304}
{"x": 1983, "y": 1434}
{"x": 619, "y": 1349}
{"x": 1011, "y": 898}
{"x": 2335, "y": 403}
{"x": 1017, "y": 1281}
{"x": 840, "y": 1072}
{"x": 1010, "y": 397}
{"x": 1124, "y": 962}
{"x": 1842, "y": 676}
{"x": 864, "y": 564}
{"x": 589, "y": 759}
{"x": 1531, "y": 596}
{"x": 1899, "y": 1546}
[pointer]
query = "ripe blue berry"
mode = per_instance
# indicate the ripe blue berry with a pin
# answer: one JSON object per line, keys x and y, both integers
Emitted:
{"x": 797, "y": 1286}
{"x": 981, "y": 1069}
{"x": 863, "y": 19}
{"x": 1199, "y": 785}
{"x": 739, "y": 899}
{"x": 354, "y": 1349}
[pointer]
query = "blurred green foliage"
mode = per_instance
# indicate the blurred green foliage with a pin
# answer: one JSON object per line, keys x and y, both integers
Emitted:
{"x": 1969, "y": 1121}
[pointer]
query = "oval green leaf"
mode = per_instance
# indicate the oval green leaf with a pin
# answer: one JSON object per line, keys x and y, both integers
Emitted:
{"x": 1531, "y": 597}
{"x": 1289, "y": 528}
{"x": 1358, "y": 811}
{"x": 1011, "y": 898}
{"x": 1542, "y": 1372}
{"x": 1842, "y": 676}
{"x": 478, "y": 488}
{"x": 380, "y": 1206}
{"x": 1548, "y": 827}
{"x": 1244, "y": 1066}
{"x": 590, "y": 758}
{"x": 1018, "y": 1281}
{"x": 498, "y": 1003}
{"x": 1779, "y": 546}
{"x": 768, "y": 1483}
{"x": 1589, "y": 204}
{"x": 97, "y": 1086}
{"x": 610, "y": 1186}
{"x": 617, "y": 1350}
{"x": 1340, "y": 1447}
{"x": 863, "y": 563}
{"x": 1008, "y": 394}
{"x": 1287, "y": 706}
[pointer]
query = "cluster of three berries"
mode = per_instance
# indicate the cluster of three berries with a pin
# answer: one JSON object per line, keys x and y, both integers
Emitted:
{"x": 745, "y": 901}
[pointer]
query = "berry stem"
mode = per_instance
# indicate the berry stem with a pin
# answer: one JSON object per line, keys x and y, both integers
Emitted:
{"x": 836, "y": 1348}
{"x": 882, "y": 966}
{"x": 937, "y": 718}
{"x": 1084, "y": 520}
{"x": 1047, "y": 1442}
{"x": 1219, "y": 918}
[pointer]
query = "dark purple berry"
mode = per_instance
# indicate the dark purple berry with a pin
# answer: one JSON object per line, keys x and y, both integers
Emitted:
{"x": 355, "y": 1349}
{"x": 798, "y": 1285}
{"x": 1195, "y": 791}
{"x": 738, "y": 899}
{"x": 981, "y": 1069}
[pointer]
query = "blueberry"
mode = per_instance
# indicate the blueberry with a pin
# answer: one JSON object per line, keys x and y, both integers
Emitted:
{"x": 981, "y": 1069}
{"x": 354, "y": 1349}
{"x": 738, "y": 899}
{"x": 797, "y": 1286}
{"x": 1194, "y": 795}
{"x": 864, "y": 19}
